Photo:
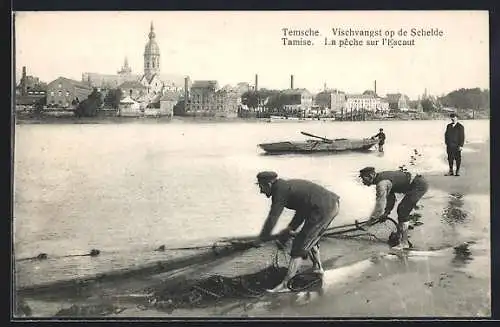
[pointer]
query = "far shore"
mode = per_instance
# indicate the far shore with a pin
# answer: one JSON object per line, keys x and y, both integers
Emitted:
{"x": 26, "y": 118}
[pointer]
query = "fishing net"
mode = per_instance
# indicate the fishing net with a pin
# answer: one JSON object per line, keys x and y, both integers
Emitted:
{"x": 378, "y": 232}
{"x": 216, "y": 289}
{"x": 220, "y": 290}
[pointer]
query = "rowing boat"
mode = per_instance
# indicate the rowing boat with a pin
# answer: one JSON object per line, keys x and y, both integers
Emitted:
{"x": 318, "y": 145}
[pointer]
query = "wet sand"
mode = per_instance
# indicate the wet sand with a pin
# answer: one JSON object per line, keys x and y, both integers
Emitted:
{"x": 474, "y": 175}
{"x": 448, "y": 285}
{"x": 439, "y": 287}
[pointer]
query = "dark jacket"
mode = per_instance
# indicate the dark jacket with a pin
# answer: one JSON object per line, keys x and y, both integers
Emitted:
{"x": 300, "y": 195}
{"x": 400, "y": 180}
{"x": 387, "y": 184}
{"x": 454, "y": 136}
{"x": 381, "y": 137}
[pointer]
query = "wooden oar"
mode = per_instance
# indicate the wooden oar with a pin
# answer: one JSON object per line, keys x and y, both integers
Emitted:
{"x": 318, "y": 137}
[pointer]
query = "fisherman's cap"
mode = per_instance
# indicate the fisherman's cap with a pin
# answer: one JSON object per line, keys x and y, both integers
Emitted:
{"x": 366, "y": 171}
{"x": 266, "y": 176}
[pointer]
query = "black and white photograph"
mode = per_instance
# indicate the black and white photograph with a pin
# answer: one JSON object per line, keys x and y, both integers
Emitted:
{"x": 251, "y": 164}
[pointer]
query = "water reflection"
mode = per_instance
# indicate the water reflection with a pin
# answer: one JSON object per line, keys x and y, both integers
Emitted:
{"x": 415, "y": 219}
{"x": 462, "y": 256}
{"x": 454, "y": 212}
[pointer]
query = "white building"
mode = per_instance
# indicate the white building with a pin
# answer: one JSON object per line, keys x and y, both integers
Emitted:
{"x": 167, "y": 103}
{"x": 383, "y": 106}
{"x": 360, "y": 102}
{"x": 128, "y": 107}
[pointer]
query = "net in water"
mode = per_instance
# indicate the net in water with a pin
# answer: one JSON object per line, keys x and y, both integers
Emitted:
{"x": 191, "y": 293}
{"x": 214, "y": 289}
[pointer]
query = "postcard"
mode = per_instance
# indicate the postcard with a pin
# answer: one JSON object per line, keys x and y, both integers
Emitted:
{"x": 330, "y": 164}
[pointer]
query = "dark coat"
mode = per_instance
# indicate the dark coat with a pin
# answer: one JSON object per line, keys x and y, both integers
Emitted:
{"x": 300, "y": 195}
{"x": 454, "y": 136}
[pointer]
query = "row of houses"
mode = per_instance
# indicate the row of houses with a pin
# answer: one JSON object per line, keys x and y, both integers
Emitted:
{"x": 137, "y": 99}
{"x": 65, "y": 93}
{"x": 334, "y": 101}
{"x": 206, "y": 98}
{"x": 201, "y": 98}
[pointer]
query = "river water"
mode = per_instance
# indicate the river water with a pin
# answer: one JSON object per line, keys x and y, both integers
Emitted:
{"x": 123, "y": 188}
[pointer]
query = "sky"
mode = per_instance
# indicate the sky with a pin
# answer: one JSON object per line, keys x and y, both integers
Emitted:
{"x": 232, "y": 47}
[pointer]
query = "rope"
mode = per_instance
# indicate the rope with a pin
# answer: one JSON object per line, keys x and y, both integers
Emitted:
{"x": 215, "y": 247}
{"x": 44, "y": 256}
{"x": 241, "y": 243}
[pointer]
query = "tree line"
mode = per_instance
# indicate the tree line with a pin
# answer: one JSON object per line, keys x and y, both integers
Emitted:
{"x": 475, "y": 98}
{"x": 461, "y": 99}
{"x": 254, "y": 99}
{"x": 91, "y": 105}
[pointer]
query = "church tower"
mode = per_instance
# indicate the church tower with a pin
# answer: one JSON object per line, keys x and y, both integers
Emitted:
{"x": 126, "y": 70}
{"x": 151, "y": 55}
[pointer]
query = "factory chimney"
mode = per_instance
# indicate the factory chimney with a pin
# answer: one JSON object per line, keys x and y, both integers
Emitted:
{"x": 291, "y": 82}
{"x": 24, "y": 86}
{"x": 186, "y": 93}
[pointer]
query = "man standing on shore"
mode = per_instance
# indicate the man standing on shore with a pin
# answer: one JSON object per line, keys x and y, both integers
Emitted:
{"x": 315, "y": 208}
{"x": 454, "y": 138}
{"x": 381, "y": 139}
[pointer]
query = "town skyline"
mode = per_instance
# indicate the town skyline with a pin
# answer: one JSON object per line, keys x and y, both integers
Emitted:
{"x": 227, "y": 47}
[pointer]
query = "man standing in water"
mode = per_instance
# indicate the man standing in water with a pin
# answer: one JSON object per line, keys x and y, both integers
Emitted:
{"x": 387, "y": 184}
{"x": 381, "y": 139}
{"x": 315, "y": 208}
{"x": 454, "y": 138}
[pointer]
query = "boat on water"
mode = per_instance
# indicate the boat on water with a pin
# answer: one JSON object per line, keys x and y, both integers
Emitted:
{"x": 319, "y": 144}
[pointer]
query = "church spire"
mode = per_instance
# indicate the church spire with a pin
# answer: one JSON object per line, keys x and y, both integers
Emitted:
{"x": 126, "y": 70}
{"x": 152, "y": 34}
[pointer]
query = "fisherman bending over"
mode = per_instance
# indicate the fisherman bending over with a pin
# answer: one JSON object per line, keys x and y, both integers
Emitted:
{"x": 388, "y": 183}
{"x": 315, "y": 208}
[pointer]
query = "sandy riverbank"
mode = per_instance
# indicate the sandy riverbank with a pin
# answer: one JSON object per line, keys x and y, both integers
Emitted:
{"x": 434, "y": 286}
{"x": 448, "y": 285}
